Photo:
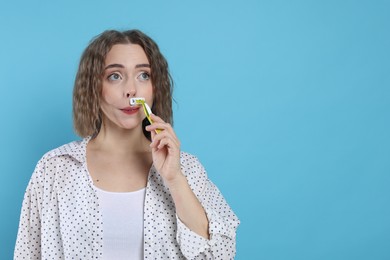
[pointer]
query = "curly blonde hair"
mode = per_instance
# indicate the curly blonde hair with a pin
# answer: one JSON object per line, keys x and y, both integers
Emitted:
{"x": 87, "y": 115}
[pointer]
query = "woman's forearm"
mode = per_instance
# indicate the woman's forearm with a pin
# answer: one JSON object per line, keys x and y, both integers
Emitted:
{"x": 188, "y": 207}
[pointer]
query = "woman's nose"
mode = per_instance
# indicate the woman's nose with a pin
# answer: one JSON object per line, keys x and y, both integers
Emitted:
{"x": 130, "y": 94}
{"x": 130, "y": 89}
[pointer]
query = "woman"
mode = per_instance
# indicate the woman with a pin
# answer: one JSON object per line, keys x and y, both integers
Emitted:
{"x": 125, "y": 191}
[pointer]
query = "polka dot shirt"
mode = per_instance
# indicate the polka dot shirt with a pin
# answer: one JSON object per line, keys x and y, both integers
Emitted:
{"x": 60, "y": 217}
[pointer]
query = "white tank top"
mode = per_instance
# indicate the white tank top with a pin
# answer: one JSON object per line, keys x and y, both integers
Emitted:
{"x": 123, "y": 214}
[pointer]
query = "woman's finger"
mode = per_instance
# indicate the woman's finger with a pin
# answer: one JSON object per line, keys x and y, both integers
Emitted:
{"x": 157, "y": 138}
{"x": 161, "y": 125}
{"x": 156, "y": 118}
{"x": 159, "y": 120}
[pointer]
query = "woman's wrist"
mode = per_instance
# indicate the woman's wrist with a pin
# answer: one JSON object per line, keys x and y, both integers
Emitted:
{"x": 188, "y": 207}
{"x": 176, "y": 183}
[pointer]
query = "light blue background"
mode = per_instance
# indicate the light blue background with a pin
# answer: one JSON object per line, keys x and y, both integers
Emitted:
{"x": 286, "y": 103}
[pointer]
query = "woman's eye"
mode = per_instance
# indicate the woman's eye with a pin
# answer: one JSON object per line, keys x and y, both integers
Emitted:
{"x": 144, "y": 76}
{"x": 114, "y": 77}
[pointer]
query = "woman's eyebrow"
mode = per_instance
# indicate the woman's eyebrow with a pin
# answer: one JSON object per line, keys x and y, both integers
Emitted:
{"x": 115, "y": 65}
{"x": 142, "y": 65}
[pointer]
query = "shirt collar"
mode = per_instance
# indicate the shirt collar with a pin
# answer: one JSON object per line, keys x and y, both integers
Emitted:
{"x": 78, "y": 149}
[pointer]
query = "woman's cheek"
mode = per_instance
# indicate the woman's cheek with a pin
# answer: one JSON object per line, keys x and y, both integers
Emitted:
{"x": 109, "y": 97}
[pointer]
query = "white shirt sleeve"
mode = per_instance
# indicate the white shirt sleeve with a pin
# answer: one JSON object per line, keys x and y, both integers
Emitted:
{"x": 222, "y": 226}
{"x": 28, "y": 243}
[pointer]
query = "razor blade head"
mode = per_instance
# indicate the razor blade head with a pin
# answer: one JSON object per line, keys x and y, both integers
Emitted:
{"x": 136, "y": 101}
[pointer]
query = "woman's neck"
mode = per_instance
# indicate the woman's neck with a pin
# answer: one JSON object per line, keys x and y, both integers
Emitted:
{"x": 121, "y": 141}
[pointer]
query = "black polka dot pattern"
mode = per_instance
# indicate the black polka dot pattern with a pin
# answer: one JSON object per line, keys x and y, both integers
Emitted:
{"x": 60, "y": 217}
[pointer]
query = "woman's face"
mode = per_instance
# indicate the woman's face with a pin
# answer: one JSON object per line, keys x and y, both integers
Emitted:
{"x": 126, "y": 75}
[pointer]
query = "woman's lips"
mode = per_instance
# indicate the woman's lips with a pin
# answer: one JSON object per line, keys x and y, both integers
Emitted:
{"x": 130, "y": 110}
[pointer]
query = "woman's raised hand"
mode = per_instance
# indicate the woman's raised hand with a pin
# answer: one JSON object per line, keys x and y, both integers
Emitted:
{"x": 165, "y": 149}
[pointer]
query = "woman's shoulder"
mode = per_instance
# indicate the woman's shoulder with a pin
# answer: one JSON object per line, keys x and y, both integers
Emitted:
{"x": 191, "y": 166}
{"x": 194, "y": 171}
{"x": 67, "y": 156}
{"x": 75, "y": 149}
{"x": 188, "y": 159}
